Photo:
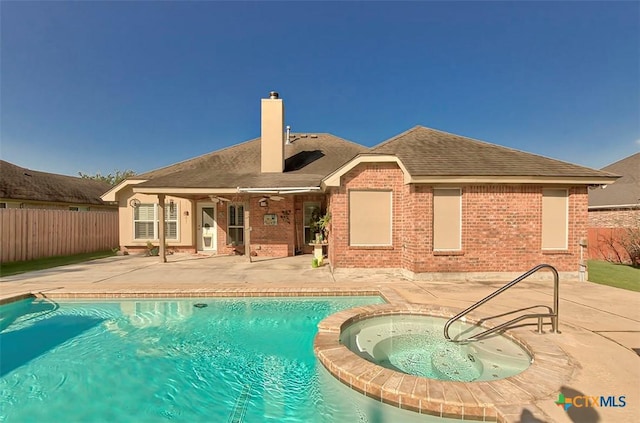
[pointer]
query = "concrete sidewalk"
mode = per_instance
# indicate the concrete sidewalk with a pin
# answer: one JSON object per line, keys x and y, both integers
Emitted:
{"x": 600, "y": 325}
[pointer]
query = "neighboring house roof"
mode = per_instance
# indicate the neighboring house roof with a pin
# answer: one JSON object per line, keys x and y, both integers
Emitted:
{"x": 625, "y": 191}
{"x": 308, "y": 160}
{"x": 19, "y": 183}
{"x": 429, "y": 152}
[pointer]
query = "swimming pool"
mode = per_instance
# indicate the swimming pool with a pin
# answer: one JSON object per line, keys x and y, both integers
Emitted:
{"x": 235, "y": 360}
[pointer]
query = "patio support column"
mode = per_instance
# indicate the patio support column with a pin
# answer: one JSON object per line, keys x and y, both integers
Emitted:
{"x": 247, "y": 233}
{"x": 161, "y": 229}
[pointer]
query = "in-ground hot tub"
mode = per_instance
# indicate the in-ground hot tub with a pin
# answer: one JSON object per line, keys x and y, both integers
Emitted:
{"x": 415, "y": 345}
{"x": 342, "y": 346}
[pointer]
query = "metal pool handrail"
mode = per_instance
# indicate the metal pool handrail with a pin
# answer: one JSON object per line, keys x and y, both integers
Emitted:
{"x": 553, "y": 315}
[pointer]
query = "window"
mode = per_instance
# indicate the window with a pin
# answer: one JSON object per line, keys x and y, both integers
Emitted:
{"x": 171, "y": 220}
{"x": 555, "y": 212}
{"x": 3, "y": 205}
{"x": 447, "y": 219}
{"x": 311, "y": 213}
{"x": 370, "y": 218}
{"x": 145, "y": 221}
{"x": 235, "y": 233}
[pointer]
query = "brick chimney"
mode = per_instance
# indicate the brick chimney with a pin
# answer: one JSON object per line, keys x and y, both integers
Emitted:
{"x": 272, "y": 134}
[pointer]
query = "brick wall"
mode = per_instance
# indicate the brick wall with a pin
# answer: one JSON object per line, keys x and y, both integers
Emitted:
{"x": 280, "y": 240}
{"x": 273, "y": 240}
{"x": 373, "y": 176}
{"x": 621, "y": 218}
{"x": 501, "y": 227}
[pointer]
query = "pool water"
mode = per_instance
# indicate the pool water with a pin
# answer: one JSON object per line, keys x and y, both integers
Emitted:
{"x": 235, "y": 360}
{"x": 415, "y": 345}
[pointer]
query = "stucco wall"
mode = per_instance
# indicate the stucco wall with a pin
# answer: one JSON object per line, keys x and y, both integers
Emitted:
{"x": 186, "y": 215}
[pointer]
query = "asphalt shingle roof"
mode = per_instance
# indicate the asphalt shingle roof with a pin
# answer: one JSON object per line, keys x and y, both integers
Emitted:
{"x": 624, "y": 191}
{"x": 429, "y": 152}
{"x": 308, "y": 159}
{"x": 19, "y": 183}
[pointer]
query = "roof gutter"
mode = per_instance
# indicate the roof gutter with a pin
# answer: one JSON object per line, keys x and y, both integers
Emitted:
{"x": 615, "y": 206}
{"x": 279, "y": 190}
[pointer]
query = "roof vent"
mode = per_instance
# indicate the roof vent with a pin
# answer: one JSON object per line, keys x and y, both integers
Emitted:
{"x": 274, "y": 94}
{"x": 314, "y": 136}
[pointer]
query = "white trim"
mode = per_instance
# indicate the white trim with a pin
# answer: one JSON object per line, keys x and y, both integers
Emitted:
{"x": 156, "y": 223}
{"x": 177, "y": 191}
{"x": 229, "y": 226}
{"x": 111, "y": 194}
{"x": 333, "y": 179}
{"x": 279, "y": 190}
{"x": 615, "y": 207}
{"x": 199, "y": 239}
{"x": 509, "y": 180}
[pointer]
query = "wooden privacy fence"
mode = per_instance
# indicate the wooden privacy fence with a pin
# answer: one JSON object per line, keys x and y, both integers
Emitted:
{"x": 605, "y": 244}
{"x": 27, "y": 234}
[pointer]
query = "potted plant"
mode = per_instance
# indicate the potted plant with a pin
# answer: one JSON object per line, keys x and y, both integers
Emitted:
{"x": 314, "y": 229}
{"x": 152, "y": 250}
{"x": 323, "y": 224}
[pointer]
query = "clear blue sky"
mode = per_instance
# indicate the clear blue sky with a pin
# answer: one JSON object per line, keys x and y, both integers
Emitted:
{"x": 100, "y": 86}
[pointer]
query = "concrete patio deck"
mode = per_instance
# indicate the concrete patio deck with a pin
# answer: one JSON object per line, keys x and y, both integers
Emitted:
{"x": 600, "y": 326}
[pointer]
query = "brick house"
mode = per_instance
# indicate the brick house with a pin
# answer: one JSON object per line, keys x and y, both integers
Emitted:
{"x": 431, "y": 203}
{"x": 615, "y": 211}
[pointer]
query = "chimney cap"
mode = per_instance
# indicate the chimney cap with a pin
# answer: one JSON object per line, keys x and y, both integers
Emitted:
{"x": 273, "y": 94}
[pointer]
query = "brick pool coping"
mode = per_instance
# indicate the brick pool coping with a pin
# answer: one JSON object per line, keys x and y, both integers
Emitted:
{"x": 478, "y": 401}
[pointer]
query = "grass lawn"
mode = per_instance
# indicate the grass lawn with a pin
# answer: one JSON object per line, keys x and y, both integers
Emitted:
{"x": 14, "y": 268}
{"x": 617, "y": 275}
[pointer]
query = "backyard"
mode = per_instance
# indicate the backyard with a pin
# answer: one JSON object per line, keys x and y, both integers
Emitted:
{"x": 617, "y": 275}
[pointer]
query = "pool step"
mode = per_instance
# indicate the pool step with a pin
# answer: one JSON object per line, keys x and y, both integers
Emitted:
{"x": 240, "y": 407}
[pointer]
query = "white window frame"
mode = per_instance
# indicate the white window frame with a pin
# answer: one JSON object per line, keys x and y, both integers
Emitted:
{"x": 230, "y": 226}
{"x": 167, "y": 220}
{"x": 155, "y": 222}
